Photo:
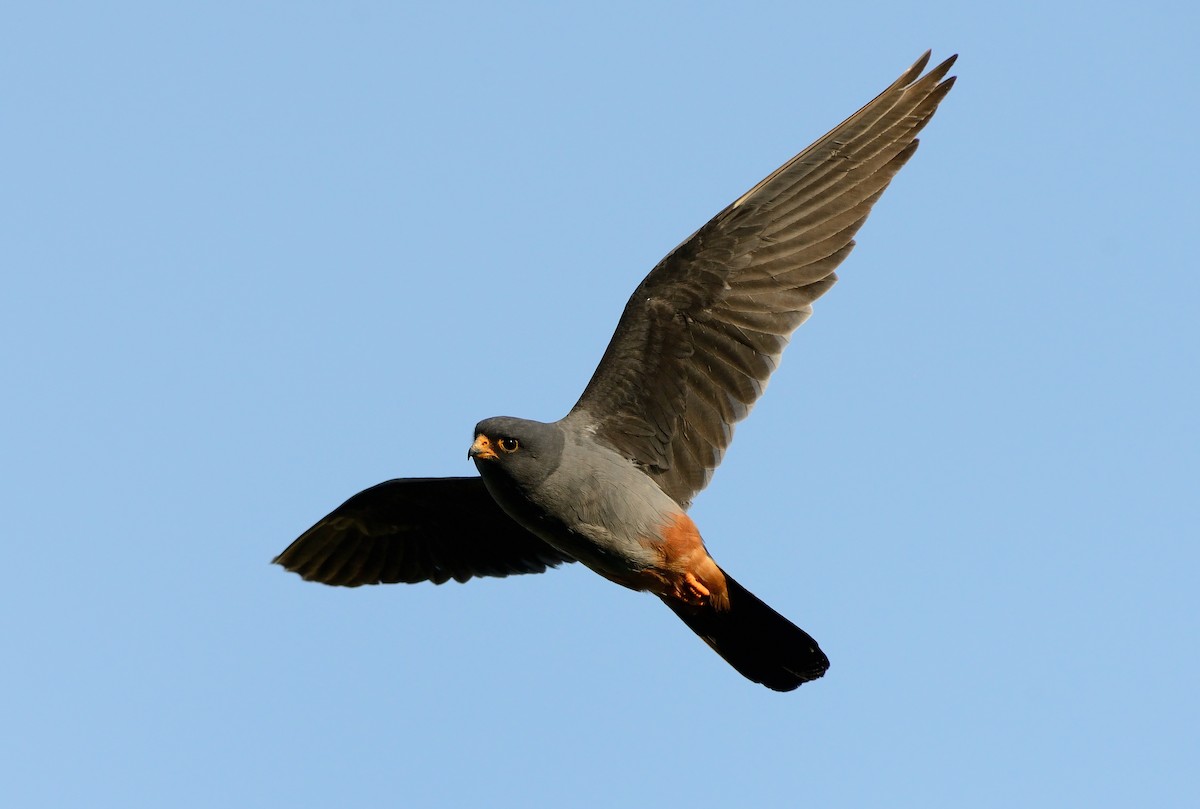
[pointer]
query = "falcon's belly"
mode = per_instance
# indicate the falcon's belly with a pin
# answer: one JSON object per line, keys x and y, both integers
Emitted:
{"x": 592, "y": 507}
{"x": 605, "y": 512}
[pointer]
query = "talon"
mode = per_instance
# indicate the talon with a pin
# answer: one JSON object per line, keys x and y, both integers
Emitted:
{"x": 698, "y": 591}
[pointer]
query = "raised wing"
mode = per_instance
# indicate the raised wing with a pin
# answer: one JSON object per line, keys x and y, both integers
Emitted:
{"x": 705, "y": 329}
{"x": 417, "y": 529}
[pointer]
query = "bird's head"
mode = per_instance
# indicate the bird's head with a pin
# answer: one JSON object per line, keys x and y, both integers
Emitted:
{"x": 524, "y": 451}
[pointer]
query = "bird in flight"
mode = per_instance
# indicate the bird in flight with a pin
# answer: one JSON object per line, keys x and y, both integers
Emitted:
{"x": 609, "y": 484}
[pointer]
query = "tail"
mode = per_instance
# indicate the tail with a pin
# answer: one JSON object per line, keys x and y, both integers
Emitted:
{"x": 757, "y": 641}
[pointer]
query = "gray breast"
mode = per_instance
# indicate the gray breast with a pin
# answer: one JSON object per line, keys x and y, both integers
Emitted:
{"x": 606, "y": 506}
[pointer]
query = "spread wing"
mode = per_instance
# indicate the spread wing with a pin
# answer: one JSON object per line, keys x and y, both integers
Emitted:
{"x": 417, "y": 529}
{"x": 705, "y": 329}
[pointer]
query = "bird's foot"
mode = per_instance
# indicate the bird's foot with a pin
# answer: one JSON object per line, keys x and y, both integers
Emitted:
{"x": 693, "y": 590}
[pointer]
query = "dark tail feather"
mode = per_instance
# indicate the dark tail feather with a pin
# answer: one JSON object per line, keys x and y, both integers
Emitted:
{"x": 757, "y": 641}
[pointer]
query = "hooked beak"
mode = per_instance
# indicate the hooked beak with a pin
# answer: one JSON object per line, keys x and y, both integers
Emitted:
{"x": 482, "y": 450}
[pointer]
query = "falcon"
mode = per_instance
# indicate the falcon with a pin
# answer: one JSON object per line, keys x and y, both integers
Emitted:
{"x": 609, "y": 484}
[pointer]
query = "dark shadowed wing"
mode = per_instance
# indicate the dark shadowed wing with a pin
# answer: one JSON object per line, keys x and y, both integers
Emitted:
{"x": 417, "y": 529}
{"x": 705, "y": 329}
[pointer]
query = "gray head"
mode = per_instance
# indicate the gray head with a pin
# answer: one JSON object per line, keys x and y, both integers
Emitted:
{"x": 523, "y": 451}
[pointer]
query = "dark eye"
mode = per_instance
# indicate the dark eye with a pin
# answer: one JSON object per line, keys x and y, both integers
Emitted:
{"x": 508, "y": 444}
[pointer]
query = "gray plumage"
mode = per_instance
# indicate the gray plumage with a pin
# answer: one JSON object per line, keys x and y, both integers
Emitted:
{"x": 610, "y": 483}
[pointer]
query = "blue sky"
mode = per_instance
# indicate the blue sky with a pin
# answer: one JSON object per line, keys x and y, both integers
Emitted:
{"x": 259, "y": 258}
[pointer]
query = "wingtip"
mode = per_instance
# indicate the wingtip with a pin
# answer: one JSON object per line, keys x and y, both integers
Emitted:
{"x": 918, "y": 67}
{"x": 943, "y": 68}
{"x": 915, "y": 70}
